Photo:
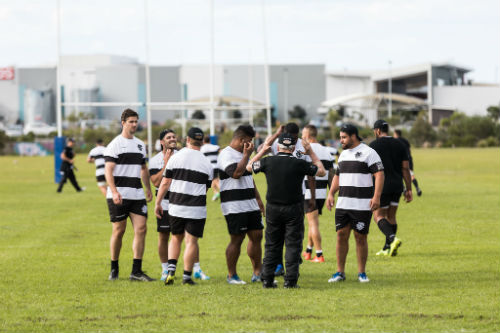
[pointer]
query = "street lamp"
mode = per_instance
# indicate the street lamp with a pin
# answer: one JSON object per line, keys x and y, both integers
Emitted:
{"x": 390, "y": 90}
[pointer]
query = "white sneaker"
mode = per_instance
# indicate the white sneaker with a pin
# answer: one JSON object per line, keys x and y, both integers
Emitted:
{"x": 363, "y": 278}
{"x": 164, "y": 275}
{"x": 200, "y": 275}
{"x": 235, "y": 279}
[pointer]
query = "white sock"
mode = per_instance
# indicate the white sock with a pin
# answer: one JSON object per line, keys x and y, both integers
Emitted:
{"x": 196, "y": 267}
{"x": 164, "y": 266}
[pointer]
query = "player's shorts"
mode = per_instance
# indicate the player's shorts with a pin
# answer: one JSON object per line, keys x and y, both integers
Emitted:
{"x": 359, "y": 220}
{"x": 389, "y": 199}
{"x": 193, "y": 226}
{"x": 319, "y": 206}
{"x": 216, "y": 173}
{"x": 100, "y": 178}
{"x": 119, "y": 213}
{"x": 163, "y": 224}
{"x": 240, "y": 223}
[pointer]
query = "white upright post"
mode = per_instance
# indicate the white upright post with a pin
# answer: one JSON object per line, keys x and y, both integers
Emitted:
{"x": 266, "y": 69}
{"x": 390, "y": 90}
{"x": 250, "y": 92}
{"x": 211, "y": 70}
{"x": 58, "y": 72}
{"x": 148, "y": 88}
{"x": 285, "y": 93}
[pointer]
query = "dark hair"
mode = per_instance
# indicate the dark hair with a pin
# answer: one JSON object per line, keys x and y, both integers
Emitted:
{"x": 196, "y": 143}
{"x": 127, "y": 113}
{"x": 313, "y": 131}
{"x": 244, "y": 130}
{"x": 165, "y": 132}
{"x": 398, "y": 132}
{"x": 206, "y": 139}
{"x": 292, "y": 128}
{"x": 99, "y": 141}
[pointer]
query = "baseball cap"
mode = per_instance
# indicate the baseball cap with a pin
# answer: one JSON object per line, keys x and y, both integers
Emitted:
{"x": 350, "y": 130}
{"x": 71, "y": 140}
{"x": 195, "y": 133}
{"x": 286, "y": 139}
{"x": 381, "y": 124}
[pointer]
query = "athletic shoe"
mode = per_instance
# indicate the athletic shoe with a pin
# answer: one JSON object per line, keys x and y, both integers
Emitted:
{"x": 216, "y": 196}
{"x": 164, "y": 275}
{"x": 279, "y": 270}
{"x": 337, "y": 277}
{"x": 170, "y": 278}
{"x": 256, "y": 278}
{"x": 113, "y": 275}
{"x": 235, "y": 279}
{"x": 363, "y": 278}
{"x": 140, "y": 276}
{"x": 396, "y": 243}
{"x": 188, "y": 282}
{"x": 318, "y": 259}
{"x": 382, "y": 252}
{"x": 200, "y": 275}
{"x": 269, "y": 284}
{"x": 306, "y": 255}
{"x": 419, "y": 192}
{"x": 291, "y": 285}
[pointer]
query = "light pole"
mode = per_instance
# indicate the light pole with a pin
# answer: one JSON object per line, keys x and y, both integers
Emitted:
{"x": 285, "y": 93}
{"x": 390, "y": 90}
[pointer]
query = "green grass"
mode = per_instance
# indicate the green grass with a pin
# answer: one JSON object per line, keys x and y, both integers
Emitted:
{"x": 54, "y": 257}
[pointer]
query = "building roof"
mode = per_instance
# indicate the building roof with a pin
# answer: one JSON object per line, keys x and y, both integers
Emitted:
{"x": 373, "y": 98}
{"x": 401, "y": 72}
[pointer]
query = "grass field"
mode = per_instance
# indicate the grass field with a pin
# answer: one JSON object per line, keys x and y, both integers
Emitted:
{"x": 54, "y": 256}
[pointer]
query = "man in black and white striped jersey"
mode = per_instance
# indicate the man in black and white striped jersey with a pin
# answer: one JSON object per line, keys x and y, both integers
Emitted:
{"x": 211, "y": 151}
{"x": 125, "y": 166}
{"x": 187, "y": 177}
{"x": 358, "y": 198}
{"x": 96, "y": 155}
{"x": 241, "y": 204}
{"x": 310, "y": 133}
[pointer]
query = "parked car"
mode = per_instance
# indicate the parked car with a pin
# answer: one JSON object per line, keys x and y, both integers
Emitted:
{"x": 39, "y": 129}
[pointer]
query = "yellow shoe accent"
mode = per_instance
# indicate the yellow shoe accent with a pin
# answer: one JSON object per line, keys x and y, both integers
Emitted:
{"x": 396, "y": 243}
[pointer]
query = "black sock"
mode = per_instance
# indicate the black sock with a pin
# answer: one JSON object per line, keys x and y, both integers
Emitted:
{"x": 319, "y": 253}
{"x": 394, "y": 229}
{"x": 388, "y": 231}
{"x": 309, "y": 250}
{"x": 187, "y": 275}
{"x": 137, "y": 266}
{"x": 114, "y": 264}
{"x": 415, "y": 182}
{"x": 172, "y": 265}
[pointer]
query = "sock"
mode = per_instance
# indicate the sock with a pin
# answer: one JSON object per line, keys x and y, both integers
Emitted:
{"x": 319, "y": 253}
{"x": 309, "y": 249}
{"x": 164, "y": 266}
{"x": 415, "y": 182}
{"x": 196, "y": 267}
{"x": 187, "y": 275}
{"x": 394, "y": 228}
{"x": 172, "y": 265}
{"x": 114, "y": 264}
{"x": 387, "y": 230}
{"x": 137, "y": 266}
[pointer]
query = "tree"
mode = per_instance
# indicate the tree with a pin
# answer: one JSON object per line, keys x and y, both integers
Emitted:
{"x": 298, "y": 112}
{"x": 198, "y": 114}
{"x": 494, "y": 112}
{"x": 422, "y": 131}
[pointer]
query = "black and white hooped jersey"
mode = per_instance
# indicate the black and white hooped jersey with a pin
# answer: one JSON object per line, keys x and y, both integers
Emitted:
{"x": 129, "y": 155}
{"x": 236, "y": 195}
{"x": 191, "y": 173}
{"x": 156, "y": 164}
{"x": 321, "y": 182}
{"x": 211, "y": 152}
{"x": 97, "y": 153}
{"x": 356, "y": 167}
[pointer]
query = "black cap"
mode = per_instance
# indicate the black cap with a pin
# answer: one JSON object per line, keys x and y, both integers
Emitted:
{"x": 381, "y": 124}
{"x": 71, "y": 139}
{"x": 195, "y": 133}
{"x": 350, "y": 130}
{"x": 286, "y": 139}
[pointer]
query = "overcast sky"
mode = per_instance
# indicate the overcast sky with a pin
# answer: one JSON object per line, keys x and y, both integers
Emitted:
{"x": 343, "y": 34}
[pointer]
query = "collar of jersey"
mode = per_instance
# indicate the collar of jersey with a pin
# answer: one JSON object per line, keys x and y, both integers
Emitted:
{"x": 284, "y": 154}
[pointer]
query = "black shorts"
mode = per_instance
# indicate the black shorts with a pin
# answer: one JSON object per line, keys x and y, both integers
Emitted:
{"x": 240, "y": 223}
{"x": 389, "y": 199}
{"x": 119, "y": 213}
{"x": 163, "y": 224}
{"x": 319, "y": 206}
{"x": 194, "y": 227}
{"x": 216, "y": 173}
{"x": 100, "y": 178}
{"x": 359, "y": 220}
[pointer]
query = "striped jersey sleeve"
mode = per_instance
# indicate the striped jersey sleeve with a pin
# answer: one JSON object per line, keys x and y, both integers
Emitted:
{"x": 321, "y": 182}
{"x": 211, "y": 152}
{"x": 355, "y": 170}
{"x": 155, "y": 166}
{"x": 236, "y": 195}
{"x": 97, "y": 153}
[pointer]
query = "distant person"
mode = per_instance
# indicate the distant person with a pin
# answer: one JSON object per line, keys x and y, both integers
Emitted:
{"x": 211, "y": 151}
{"x": 397, "y": 135}
{"x": 241, "y": 204}
{"x": 96, "y": 155}
{"x": 395, "y": 158}
{"x": 359, "y": 195}
{"x": 125, "y": 167}
{"x": 334, "y": 152}
{"x": 187, "y": 177}
{"x": 67, "y": 167}
{"x": 310, "y": 133}
{"x": 285, "y": 206}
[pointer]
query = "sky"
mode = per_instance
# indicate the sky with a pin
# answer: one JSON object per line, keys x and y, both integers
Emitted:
{"x": 345, "y": 35}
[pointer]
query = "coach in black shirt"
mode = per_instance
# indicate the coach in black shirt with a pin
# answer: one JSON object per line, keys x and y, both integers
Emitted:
{"x": 284, "y": 208}
{"x": 67, "y": 166}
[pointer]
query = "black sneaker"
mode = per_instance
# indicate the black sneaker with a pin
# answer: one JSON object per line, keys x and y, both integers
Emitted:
{"x": 170, "y": 278}
{"x": 269, "y": 284}
{"x": 419, "y": 192}
{"x": 140, "y": 276}
{"x": 291, "y": 284}
{"x": 188, "y": 281}
{"x": 113, "y": 275}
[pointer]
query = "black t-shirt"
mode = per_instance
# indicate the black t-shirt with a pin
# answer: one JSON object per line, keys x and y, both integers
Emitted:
{"x": 68, "y": 152}
{"x": 284, "y": 175}
{"x": 392, "y": 152}
{"x": 407, "y": 145}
